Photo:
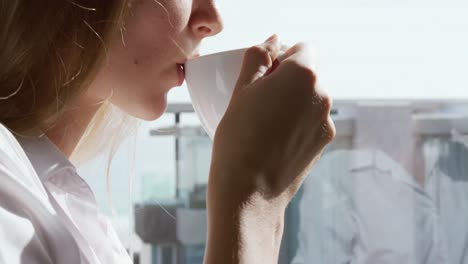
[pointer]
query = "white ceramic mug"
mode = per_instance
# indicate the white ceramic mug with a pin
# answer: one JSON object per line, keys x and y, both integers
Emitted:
{"x": 211, "y": 80}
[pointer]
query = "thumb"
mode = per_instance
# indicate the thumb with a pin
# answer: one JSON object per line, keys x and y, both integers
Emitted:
{"x": 257, "y": 60}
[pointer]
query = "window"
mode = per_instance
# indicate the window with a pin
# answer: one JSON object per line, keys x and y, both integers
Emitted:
{"x": 391, "y": 188}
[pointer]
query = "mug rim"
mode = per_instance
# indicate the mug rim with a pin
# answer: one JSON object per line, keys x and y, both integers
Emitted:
{"x": 214, "y": 54}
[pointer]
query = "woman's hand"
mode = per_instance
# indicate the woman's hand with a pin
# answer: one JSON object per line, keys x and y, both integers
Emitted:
{"x": 274, "y": 129}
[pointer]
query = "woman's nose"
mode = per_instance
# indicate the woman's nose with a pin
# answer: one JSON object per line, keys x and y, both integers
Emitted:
{"x": 205, "y": 20}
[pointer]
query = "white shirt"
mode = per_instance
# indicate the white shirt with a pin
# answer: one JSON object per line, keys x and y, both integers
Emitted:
{"x": 48, "y": 214}
{"x": 361, "y": 207}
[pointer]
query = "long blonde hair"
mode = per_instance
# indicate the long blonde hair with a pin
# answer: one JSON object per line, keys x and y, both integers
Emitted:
{"x": 50, "y": 51}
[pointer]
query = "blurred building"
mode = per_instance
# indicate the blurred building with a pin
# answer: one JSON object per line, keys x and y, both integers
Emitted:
{"x": 174, "y": 232}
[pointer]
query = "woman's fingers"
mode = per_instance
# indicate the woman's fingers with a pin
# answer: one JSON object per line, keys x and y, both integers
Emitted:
{"x": 301, "y": 54}
{"x": 257, "y": 60}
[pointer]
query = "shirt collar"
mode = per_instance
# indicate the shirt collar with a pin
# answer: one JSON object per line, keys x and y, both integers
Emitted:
{"x": 45, "y": 157}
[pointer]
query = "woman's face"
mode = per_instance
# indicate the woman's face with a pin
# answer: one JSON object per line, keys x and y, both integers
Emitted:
{"x": 144, "y": 61}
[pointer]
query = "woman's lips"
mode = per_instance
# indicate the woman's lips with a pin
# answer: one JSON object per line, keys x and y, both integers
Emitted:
{"x": 180, "y": 73}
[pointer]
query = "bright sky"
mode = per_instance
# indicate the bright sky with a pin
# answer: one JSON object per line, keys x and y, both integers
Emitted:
{"x": 366, "y": 48}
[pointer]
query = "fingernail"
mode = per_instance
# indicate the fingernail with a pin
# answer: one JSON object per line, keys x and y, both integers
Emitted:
{"x": 271, "y": 38}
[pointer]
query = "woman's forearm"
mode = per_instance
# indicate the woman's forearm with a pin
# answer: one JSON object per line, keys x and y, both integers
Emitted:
{"x": 243, "y": 231}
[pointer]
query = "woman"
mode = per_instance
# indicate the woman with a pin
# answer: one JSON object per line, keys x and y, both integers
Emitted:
{"x": 63, "y": 62}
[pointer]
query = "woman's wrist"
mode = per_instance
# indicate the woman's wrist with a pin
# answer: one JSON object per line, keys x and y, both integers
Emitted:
{"x": 243, "y": 226}
{"x": 241, "y": 180}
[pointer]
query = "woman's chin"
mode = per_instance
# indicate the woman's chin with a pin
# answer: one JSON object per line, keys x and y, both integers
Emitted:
{"x": 153, "y": 110}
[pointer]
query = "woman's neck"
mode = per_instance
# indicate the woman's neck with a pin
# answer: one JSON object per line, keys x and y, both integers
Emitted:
{"x": 71, "y": 126}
